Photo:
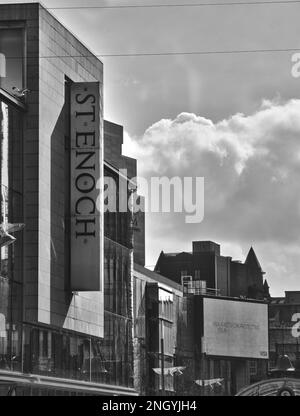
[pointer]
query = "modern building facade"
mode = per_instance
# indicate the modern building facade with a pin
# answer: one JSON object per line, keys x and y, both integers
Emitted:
{"x": 127, "y": 168}
{"x": 65, "y": 294}
{"x": 123, "y": 242}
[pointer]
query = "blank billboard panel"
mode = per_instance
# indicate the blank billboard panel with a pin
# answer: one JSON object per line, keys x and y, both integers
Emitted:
{"x": 235, "y": 328}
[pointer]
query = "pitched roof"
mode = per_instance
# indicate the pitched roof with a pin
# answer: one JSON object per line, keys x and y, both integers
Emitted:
{"x": 252, "y": 260}
{"x": 176, "y": 254}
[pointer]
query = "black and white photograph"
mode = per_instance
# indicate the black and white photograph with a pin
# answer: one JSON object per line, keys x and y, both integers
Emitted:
{"x": 149, "y": 201}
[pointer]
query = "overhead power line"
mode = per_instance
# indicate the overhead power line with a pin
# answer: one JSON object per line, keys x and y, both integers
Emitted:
{"x": 152, "y": 6}
{"x": 225, "y": 52}
{"x": 141, "y": 54}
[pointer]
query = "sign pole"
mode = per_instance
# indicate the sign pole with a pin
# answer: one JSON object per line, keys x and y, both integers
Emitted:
{"x": 162, "y": 348}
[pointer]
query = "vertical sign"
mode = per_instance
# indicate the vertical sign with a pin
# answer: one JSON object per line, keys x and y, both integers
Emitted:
{"x": 86, "y": 182}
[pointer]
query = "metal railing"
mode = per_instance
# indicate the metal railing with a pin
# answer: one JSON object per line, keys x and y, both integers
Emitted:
{"x": 201, "y": 291}
{"x": 197, "y": 287}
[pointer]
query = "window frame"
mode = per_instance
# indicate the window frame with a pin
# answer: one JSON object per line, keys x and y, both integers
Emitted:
{"x": 4, "y": 25}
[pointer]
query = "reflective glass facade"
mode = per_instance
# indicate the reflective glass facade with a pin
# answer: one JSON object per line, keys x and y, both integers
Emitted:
{"x": 63, "y": 354}
{"x": 159, "y": 314}
{"x": 11, "y": 287}
{"x": 118, "y": 348}
{"x": 10, "y": 325}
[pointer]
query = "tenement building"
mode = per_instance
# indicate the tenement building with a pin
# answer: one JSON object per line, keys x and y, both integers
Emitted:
{"x": 205, "y": 263}
{"x": 227, "y": 312}
{"x": 65, "y": 301}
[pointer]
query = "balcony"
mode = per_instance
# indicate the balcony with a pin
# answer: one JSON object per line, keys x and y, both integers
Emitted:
{"x": 197, "y": 287}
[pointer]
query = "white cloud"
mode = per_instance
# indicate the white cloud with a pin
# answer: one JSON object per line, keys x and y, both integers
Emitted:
{"x": 251, "y": 166}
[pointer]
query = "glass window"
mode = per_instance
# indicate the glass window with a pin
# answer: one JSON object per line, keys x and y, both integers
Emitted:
{"x": 139, "y": 308}
{"x": 73, "y": 356}
{"x": 11, "y": 58}
{"x": 168, "y": 376}
{"x": 4, "y": 319}
{"x": 253, "y": 367}
{"x": 10, "y": 325}
{"x": 11, "y": 188}
{"x": 166, "y": 306}
{"x": 197, "y": 275}
{"x": 167, "y": 332}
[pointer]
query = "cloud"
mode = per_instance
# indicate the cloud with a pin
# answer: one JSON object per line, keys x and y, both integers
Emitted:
{"x": 251, "y": 166}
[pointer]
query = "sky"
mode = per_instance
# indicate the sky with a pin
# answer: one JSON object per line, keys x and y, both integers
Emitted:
{"x": 230, "y": 118}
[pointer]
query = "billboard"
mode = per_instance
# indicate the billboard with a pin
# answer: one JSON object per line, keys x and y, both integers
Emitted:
{"x": 234, "y": 328}
{"x": 87, "y": 245}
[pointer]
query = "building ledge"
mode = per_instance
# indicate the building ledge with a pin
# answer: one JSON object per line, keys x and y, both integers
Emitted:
{"x": 10, "y": 99}
{"x": 39, "y": 381}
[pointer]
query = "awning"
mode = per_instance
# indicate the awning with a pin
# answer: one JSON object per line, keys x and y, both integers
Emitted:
{"x": 169, "y": 370}
{"x": 211, "y": 382}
